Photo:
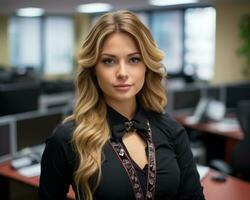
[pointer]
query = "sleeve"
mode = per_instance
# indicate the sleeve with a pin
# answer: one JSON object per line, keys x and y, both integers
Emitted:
{"x": 190, "y": 187}
{"x": 55, "y": 175}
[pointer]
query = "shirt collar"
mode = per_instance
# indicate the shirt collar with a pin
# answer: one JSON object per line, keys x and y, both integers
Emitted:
{"x": 115, "y": 118}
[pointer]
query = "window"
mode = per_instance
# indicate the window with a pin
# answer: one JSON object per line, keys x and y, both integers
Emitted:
{"x": 25, "y": 42}
{"x": 144, "y": 17}
{"x": 167, "y": 32}
{"x": 47, "y": 43}
{"x": 59, "y": 43}
{"x": 43, "y": 43}
{"x": 199, "y": 42}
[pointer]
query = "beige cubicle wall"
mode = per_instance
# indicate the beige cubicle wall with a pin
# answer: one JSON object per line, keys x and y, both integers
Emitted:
{"x": 4, "y": 46}
{"x": 228, "y": 64}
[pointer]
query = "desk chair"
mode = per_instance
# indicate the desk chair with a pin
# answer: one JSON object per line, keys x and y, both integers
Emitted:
{"x": 240, "y": 160}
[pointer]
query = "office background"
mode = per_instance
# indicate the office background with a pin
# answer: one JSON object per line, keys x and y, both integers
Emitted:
{"x": 200, "y": 42}
{"x": 225, "y": 64}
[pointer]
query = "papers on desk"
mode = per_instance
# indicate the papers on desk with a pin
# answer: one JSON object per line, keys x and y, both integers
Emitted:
{"x": 227, "y": 124}
{"x": 28, "y": 160}
{"x": 30, "y": 171}
{"x": 202, "y": 170}
{"x": 191, "y": 120}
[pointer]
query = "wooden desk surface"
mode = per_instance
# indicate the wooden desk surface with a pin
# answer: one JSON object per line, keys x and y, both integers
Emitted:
{"x": 7, "y": 171}
{"x": 211, "y": 128}
{"x": 232, "y": 189}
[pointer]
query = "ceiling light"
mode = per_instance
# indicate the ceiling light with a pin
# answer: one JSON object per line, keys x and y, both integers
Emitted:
{"x": 30, "y": 12}
{"x": 170, "y": 2}
{"x": 94, "y": 8}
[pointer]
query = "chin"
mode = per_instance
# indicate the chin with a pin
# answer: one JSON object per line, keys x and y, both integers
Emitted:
{"x": 124, "y": 97}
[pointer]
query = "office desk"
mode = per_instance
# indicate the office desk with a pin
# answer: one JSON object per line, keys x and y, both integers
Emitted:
{"x": 211, "y": 127}
{"x": 231, "y": 136}
{"x": 232, "y": 189}
{"x": 7, "y": 172}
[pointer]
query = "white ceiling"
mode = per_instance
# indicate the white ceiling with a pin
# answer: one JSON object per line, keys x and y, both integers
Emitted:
{"x": 68, "y": 6}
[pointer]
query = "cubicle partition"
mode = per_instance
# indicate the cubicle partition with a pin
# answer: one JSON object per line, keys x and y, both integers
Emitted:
{"x": 7, "y": 138}
{"x": 214, "y": 92}
{"x": 185, "y": 99}
{"x": 34, "y": 127}
{"x": 24, "y": 96}
{"x": 19, "y": 97}
{"x": 234, "y": 93}
{"x": 27, "y": 130}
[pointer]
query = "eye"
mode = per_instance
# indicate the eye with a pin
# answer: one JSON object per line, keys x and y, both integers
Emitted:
{"x": 135, "y": 60}
{"x": 107, "y": 61}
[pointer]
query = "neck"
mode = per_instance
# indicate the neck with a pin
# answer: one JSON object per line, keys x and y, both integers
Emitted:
{"x": 126, "y": 108}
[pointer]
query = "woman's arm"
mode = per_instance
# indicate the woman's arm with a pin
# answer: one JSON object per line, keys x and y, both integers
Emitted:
{"x": 56, "y": 175}
{"x": 190, "y": 187}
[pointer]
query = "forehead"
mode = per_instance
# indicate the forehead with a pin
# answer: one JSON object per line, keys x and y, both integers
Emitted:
{"x": 122, "y": 42}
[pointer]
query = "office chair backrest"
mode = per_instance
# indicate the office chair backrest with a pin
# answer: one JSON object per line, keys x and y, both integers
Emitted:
{"x": 243, "y": 114}
{"x": 240, "y": 156}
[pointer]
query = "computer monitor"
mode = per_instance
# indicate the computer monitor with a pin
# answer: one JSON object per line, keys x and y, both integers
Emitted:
{"x": 236, "y": 93}
{"x": 213, "y": 92}
{"x": 186, "y": 98}
{"x": 19, "y": 97}
{"x": 34, "y": 128}
{"x": 6, "y": 139}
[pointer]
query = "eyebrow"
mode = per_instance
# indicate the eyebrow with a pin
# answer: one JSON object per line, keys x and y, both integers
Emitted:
{"x": 111, "y": 55}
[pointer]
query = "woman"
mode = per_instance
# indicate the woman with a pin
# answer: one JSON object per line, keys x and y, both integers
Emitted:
{"x": 118, "y": 144}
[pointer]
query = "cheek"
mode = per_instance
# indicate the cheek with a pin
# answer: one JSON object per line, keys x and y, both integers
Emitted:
{"x": 140, "y": 77}
{"x": 103, "y": 80}
{"x": 142, "y": 80}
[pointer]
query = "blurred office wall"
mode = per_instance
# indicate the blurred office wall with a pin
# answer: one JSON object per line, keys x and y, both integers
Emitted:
{"x": 4, "y": 47}
{"x": 82, "y": 26}
{"x": 227, "y": 63}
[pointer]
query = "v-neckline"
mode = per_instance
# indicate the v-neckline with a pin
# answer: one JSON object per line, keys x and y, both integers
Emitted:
{"x": 144, "y": 169}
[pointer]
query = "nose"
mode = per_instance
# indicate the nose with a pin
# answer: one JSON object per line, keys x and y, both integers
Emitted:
{"x": 122, "y": 72}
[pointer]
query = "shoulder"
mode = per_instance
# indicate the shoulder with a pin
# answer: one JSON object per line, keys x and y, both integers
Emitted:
{"x": 165, "y": 123}
{"x": 63, "y": 133}
{"x": 58, "y": 161}
{"x": 59, "y": 144}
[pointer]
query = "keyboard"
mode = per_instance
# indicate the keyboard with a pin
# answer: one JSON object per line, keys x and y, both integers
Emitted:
{"x": 27, "y": 161}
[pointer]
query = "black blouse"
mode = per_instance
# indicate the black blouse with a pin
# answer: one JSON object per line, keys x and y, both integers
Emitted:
{"x": 176, "y": 174}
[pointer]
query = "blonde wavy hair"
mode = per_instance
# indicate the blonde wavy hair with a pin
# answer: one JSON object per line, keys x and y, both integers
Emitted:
{"x": 92, "y": 129}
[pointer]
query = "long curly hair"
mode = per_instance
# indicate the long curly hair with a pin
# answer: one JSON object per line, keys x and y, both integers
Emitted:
{"x": 92, "y": 130}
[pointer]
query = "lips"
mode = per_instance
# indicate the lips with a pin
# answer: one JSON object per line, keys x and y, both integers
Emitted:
{"x": 123, "y": 87}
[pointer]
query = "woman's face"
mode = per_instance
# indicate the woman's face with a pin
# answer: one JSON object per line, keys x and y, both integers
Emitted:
{"x": 120, "y": 70}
